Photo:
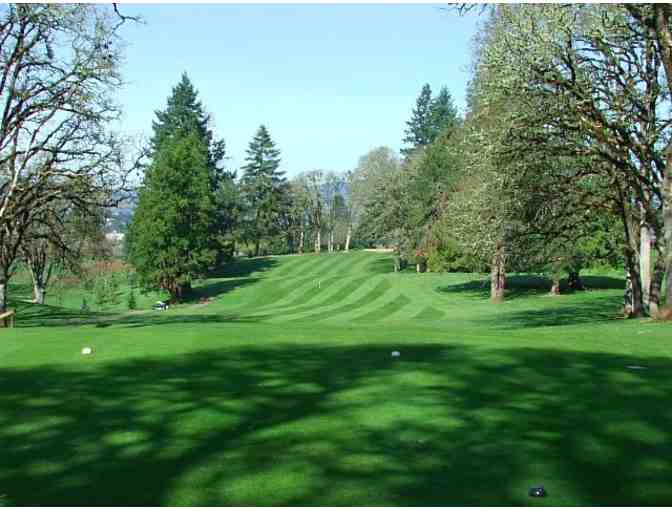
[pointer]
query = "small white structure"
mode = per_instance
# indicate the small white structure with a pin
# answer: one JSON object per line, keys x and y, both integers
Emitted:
{"x": 396, "y": 354}
{"x": 87, "y": 350}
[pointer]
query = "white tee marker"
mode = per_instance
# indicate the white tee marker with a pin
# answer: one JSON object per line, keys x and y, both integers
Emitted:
{"x": 87, "y": 350}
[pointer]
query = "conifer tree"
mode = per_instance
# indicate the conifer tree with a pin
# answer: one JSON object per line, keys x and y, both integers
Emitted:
{"x": 172, "y": 223}
{"x": 443, "y": 114}
{"x": 431, "y": 117}
{"x": 419, "y": 132}
{"x": 263, "y": 187}
{"x": 185, "y": 114}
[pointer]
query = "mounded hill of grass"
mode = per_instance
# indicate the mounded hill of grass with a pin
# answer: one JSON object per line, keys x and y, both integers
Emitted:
{"x": 282, "y": 391}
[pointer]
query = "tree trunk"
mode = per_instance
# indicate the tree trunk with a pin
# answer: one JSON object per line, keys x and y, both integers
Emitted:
{"x": 301, "y": 239}
{"x": 498, "y": 275}
{"x": 574, "y": 280}
{"x": 180, "y": 290}
{"x": 347, "y": 238}
{"x": 663, "y": 35}
{"x": 645, "y": 262}
{"x": 37, "y": 273}
{"x": 634, "y": 305}
{"x": 256, "y": 247}
{"x": 318, "y": 242}
{"x": 656, "y": 287}
{"x": 330, "y": 242}
{"x": 38, "y": 293}
{"x": 667, "y": 225}
{"x": 3, "y": 296}
{"x": 555, "y": 286}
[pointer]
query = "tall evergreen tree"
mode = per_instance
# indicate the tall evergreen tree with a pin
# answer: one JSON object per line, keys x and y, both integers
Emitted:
{"x": 443, "y": 114}
{"x": 419, "y": 132}
{"x": 263, "y": 187}
{"x": 172, "y": 223}
{"x": 184, "y": 114}
{"x": 431, "y": 117}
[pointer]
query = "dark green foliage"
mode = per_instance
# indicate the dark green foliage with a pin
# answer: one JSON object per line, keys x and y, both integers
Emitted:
{"x": 430, "y": 118}
{"x": 185, "y": 114}
{"x": 443, "y": 114}
{"x": 419, "y": 131}
{"x": 263, "y": 188}
{"x": 228, "y": 210}
{"x": 447, "y": 256}
{"x": 173, "y": 221}
{"x": 132, "y": 303}
{"x": 432, "y": 174}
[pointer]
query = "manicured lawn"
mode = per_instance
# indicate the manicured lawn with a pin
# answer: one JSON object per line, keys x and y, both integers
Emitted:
{"x": 282, "y": 391}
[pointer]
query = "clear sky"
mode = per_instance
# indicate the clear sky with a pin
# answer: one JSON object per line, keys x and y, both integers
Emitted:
{"x": 329, "y": 81}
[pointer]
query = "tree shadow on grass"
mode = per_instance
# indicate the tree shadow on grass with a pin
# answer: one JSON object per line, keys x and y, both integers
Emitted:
{"x": 20, "y": 290}
{"x": 603, "y": 282}
{"x": 34, "y": 315}
{"x": 345, "y": 426}
{"x": 528, "y": 285}
{"x": 597, "y": 309}
{"x": 381, "y": 265}
{"x": 212, "y": 289}
{"x": 244, "y": 267}
{"x": 132, "y": 319}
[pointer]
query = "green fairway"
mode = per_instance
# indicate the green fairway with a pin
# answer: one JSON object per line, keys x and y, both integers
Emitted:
{"x": 282, "y": 391}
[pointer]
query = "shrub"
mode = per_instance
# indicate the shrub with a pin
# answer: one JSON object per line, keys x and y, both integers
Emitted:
{"x": 447, "y": 257}
{"x": 132, "y": 305}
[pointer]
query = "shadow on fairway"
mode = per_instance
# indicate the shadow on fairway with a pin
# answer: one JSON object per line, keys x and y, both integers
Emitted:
{"x": 313, "y": 425}
{"x": 598, "y": 309}
{"x": 32, "y": 315}
{"x": 22, "y": 290}
{"x": 381, "y": 265}
{"x": 244, "y": 267}
{"x": 134, "y": 320}
{"x": 520, "y": 286}
{"x": 212, "y": 289}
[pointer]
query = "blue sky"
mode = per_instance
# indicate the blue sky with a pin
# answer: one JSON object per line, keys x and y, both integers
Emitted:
{"x": 329, "y": 81}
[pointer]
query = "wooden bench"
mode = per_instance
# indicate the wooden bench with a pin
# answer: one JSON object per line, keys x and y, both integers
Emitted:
{"x": 8, "y": 319}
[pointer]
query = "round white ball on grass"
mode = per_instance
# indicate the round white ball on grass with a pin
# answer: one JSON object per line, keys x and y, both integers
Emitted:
{"x": 87, "y": 350}
{"x": 396, "y": 354}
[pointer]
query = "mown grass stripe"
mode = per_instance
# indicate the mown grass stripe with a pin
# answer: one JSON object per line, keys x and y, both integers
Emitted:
{"x": 385, "y": 311}
{"x": 314, "y": 285}
{"x": 429, "y": 313}
{"x": 338, "y": 296}
{"x": 323, "y": 261}
{"x": 271, "y": 291}
{"x": 290, "y": 263}
{"x": 379, "y": 290}
{"x": 301, "y": 293}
